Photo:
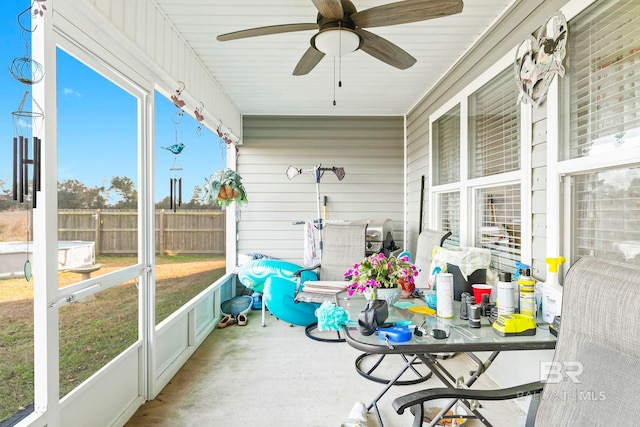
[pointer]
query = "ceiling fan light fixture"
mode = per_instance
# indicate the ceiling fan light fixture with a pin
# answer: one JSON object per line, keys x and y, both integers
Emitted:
{"x": 336, "y": 42}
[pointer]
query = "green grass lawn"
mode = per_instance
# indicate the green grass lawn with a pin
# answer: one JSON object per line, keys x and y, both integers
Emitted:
{"x": 93, "y": 331}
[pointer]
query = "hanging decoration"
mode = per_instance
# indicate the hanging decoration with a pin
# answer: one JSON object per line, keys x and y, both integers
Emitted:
{"x": 225, "y": 137}
{"x": 175, "y": 182}
{"x": 199, "y": 117}
{"x": 27, "y": 122}
{"x": 175, "y": 98}
{"x": 223, "y": 187}
{"x": 539, "y": 59}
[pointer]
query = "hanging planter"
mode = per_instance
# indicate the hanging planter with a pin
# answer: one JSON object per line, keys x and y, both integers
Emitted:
{"x": 223, "y": 187}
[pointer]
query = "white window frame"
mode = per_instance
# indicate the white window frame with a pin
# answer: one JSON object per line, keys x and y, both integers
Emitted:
{"x": 559, "y": 208}
{"x": 466, "y": 186}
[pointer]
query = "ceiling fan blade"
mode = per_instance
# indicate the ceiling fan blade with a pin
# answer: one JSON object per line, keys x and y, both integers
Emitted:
{"x": 329, "y": 8}
{"x": 384, "y": 50}
{"x": 263, "y": 31}
{"x": 404, "y": 12}
{"x": 308, "y": 61}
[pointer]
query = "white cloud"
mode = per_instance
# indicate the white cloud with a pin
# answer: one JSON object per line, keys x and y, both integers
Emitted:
{"x": 68, "y": 91}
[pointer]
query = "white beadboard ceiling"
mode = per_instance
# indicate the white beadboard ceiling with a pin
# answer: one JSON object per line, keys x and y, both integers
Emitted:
{"x": 256, "y": 72}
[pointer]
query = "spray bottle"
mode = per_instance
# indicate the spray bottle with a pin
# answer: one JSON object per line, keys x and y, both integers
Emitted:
{"x": 552, "y": 291}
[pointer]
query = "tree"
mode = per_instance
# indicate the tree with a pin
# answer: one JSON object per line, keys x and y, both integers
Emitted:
{"x": 73, "y": 194}
{"x": 6, "y": 196}
{"x": 126, "y": 190}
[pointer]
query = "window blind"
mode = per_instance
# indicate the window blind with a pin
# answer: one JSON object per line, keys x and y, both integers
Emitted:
{"x": 446, "y": 134}
{"x": 604, "y": 79}
{"x": 494, "y": 127}
{"x": 498, "y": 225}
{"x": 606, "y": 212}
{"x": 450, "y": 217}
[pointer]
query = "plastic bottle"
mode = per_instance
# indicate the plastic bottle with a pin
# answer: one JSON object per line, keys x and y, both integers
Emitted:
{"x": 537, "y": 301}
{"x": 552, "y": 291}
{"x": 505, "y": 294}
{"x": 256, "y": 301}
{"x": 444, "y": 295}
{"x": 526, "y": 286}
{"x": 516, "y": 290}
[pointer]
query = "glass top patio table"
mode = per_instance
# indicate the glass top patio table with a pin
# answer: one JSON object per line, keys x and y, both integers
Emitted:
{"x": 462, "y": 338}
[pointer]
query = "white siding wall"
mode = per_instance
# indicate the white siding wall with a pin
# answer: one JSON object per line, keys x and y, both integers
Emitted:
{"x": 369, "y": 148}
{"x": 417, "y": 167}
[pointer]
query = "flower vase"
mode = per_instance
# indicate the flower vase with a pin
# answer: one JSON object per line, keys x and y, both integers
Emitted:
{"x": 370, "y": 293}
{"x": 390, "y": 295}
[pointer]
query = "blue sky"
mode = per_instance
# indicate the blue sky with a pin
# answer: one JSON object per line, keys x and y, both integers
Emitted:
{"x": 97, "y": 126}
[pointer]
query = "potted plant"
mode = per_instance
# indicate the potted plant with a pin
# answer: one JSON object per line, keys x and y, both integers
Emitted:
{"x": 378, "y": 275}
{"x": 224, "y": 187}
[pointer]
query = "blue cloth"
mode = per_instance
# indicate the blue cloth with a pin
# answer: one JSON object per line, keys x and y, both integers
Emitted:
{"x": 330, "y": 317}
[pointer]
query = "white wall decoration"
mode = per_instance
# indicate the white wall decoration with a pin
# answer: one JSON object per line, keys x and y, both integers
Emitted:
{"x": 539, "y": 60}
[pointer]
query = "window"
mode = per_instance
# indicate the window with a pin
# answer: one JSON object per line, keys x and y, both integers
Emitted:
{"x": 450, "y": 217}
{"x": 446, "y": 143}
{"x": 606, "y": 215}
{"x": 97, "y": 217}
{"x": 494, "y": 127}
{"x": 604, "y": 79}
{"x": 602, "y": 100}
{"x": 494, "y": 149}
{"x": 190, "y": 235}
{"x": 498, "y": 218}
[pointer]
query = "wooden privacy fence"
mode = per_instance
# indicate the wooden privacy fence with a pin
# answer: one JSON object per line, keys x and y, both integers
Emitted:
{"x": 115, "y": 232}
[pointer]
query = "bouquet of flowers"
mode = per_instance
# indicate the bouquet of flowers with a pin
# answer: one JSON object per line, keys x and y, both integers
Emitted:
{"x": 380, "y": 271}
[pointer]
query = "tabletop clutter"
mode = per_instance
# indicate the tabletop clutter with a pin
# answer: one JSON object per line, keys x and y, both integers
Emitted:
{"x": 513, "y": 304}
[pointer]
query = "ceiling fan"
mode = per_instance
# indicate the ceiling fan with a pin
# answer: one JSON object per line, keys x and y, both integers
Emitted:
{"x": 341, "y": 29}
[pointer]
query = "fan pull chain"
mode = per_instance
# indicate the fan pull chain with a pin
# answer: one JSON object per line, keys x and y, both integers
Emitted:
{"x": 334, "y": 80}
{"x": 340, "y": 53}
{"x": 339, "y": 64}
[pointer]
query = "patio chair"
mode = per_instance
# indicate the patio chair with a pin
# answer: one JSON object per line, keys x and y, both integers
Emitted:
{"x": 427, "y": 240}
{"x": 594, "y": 374}
{"x": 343, "y": 246}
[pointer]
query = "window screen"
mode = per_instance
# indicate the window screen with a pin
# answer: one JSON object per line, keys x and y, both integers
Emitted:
{"x": 604, "y": 79}
{"x": 450, "y": 217}
{"x": 498, "y": 225}
{"x": 494, "y": 127}
{"x": 446, "y": 143}
{"x": 607, "y": 214}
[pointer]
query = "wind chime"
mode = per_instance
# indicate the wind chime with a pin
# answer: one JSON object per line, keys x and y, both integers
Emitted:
{"x": 27, "y": 124}
{"x": 175, "y": 182}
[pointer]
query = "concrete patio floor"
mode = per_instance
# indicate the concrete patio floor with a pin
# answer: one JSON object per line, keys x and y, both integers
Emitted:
{"x": 274, "y": 376}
